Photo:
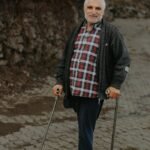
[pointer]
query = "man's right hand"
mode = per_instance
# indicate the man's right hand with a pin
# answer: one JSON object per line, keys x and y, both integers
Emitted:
{"x": 57, "y": 90}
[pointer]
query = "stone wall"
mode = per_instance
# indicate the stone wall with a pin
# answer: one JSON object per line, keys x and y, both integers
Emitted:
{"x": 33, "y": 32}
{"x": 129, "y": 8}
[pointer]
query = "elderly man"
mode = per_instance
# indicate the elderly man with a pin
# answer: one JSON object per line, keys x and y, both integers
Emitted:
{"x": 93, "y": 67}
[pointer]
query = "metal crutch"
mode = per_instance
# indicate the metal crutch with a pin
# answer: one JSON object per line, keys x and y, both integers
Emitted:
{"x": 49, "y": 123}
{"x": 114, "y": 124}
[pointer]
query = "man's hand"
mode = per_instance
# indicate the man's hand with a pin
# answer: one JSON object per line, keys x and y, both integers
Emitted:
{"x": 57, "y": 90}
{"x": 112, "y": 92}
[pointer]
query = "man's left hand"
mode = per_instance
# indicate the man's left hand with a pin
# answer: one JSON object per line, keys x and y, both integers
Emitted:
{"x": 112, "y": 92}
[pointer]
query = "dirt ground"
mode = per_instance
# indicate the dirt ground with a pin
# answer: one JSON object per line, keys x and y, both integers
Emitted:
{"x": 22, "y": 92}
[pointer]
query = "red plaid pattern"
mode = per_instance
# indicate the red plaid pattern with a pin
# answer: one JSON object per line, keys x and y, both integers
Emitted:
{"x": 83, "y": 80}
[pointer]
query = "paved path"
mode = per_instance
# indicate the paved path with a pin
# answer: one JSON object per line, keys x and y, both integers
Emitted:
{"x": 133, "y": 124}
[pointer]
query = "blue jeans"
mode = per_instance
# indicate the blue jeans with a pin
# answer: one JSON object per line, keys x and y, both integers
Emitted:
{"x": 87, "y": 114}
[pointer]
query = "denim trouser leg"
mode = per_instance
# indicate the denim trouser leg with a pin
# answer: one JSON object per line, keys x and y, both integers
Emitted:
{"x": 87, "y": 115}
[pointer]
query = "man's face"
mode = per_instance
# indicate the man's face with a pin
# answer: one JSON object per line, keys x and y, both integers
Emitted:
{"x": 93, "y": 11}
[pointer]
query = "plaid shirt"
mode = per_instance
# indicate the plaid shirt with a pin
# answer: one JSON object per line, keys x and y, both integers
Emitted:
{"x": 83, "y": 80}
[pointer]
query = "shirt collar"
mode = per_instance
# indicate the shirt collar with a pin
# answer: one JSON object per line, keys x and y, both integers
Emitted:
{"x": 95, "y": 25}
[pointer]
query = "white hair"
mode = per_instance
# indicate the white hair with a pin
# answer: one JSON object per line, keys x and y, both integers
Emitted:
{"x": 102, "y": 3}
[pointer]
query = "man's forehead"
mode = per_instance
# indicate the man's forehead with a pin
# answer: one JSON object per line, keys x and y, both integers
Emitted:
{"x": 93, "y": 1}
